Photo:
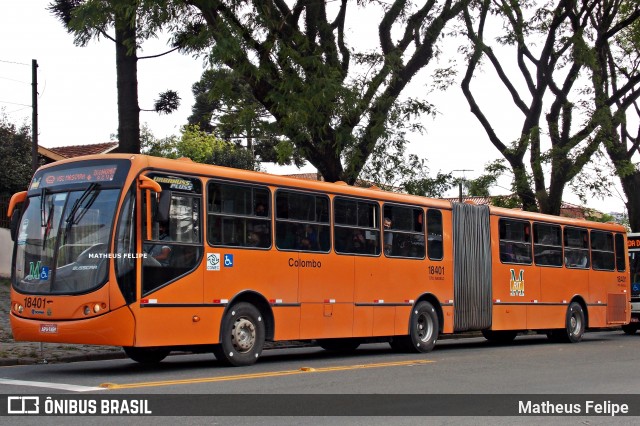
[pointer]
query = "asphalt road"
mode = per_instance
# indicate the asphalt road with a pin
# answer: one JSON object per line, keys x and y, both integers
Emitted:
{"x": 312, "y": 382}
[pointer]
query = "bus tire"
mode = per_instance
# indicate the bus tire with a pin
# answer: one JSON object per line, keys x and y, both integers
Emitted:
{"x": 500, "y": 336}
{"x": 146, "y": 355}
{"x": 242, "y": 336}
{"x": 575, "y": 326}
{"x": 630, "y": 329}
{"x": 339, "y": 345}
{"x": 423, "y": 330}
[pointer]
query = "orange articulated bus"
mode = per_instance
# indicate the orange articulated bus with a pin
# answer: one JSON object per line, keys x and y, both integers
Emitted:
{"x": 156, "y": 255}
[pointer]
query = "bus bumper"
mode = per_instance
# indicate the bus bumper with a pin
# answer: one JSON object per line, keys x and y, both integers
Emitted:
{"x": 115, "y": 328}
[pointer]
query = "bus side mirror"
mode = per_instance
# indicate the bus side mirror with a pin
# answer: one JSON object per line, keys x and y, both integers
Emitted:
{"x": 14, "y": 213}
{"x": 164, "y": 207}
{"x": 13, "y": 225}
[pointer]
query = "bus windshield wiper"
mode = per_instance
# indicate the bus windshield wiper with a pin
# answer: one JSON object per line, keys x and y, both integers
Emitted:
{"x": 43, "y": 218}
{"x": 89, "y": 195}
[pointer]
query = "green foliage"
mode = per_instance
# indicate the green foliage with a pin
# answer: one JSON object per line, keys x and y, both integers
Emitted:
{"x": 331, "y": 101}
{"x": 199, "y": 146}
{"x": 225, "y": 106}
{"x": 481, "y": 186}
{"x": 15, "y": 157}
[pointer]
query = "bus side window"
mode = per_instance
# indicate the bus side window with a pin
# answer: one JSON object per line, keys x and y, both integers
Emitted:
{"x": 435, "y": 247}
{"x": 238, "y": 215}
{"x": 302, "y": 221}
{"x": 357, "y": 226}
{"x": 515, "y": 241}
{"x": 620, "y": 253}
{"x": 576, "y": 248}
{"x": 602, "y": 252}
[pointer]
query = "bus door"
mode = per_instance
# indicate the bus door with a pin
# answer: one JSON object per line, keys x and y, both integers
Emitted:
{"x": 171, "y": 304}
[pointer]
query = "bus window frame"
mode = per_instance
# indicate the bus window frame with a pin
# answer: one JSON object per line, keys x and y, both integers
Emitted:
{"x": 354, "y": 227}
{"x": 426, "y": 230}
{"x": 620, "y": 258}
{"x": 530, "y": 243}
{"x": 328, "y": 223}
{"x": 588, "y": 248}
{"x": 395, "y": 232}
{"x": 269, "y": 218}
{"x": 533, "y": 241}
{"x": 613, "y": 249}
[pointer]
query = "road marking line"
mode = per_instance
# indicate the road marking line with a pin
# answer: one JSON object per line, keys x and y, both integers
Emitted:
{"x": 303, "y": 370}
{"x": 61, "y": 386}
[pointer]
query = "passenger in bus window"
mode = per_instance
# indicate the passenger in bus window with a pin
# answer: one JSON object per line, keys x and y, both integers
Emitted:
{"x": 388, "y": 237}
{"x": 358, "y": 242}
{"x": 304, "y": 244}
{"x": 261, "y": 210}
{"x": 312, "y": 236}
{"x": 253, "y": 239}
{"x": 161, "y": 252}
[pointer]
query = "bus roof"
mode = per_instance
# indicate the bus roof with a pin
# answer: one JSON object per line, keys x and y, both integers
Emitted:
{"x": 141, "y": 162}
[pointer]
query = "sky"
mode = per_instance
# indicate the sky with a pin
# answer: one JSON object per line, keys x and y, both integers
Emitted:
{"x": 77, "y": 97}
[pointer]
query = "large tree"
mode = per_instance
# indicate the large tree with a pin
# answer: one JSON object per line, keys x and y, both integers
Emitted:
{"x": 15, "y": 157}
{"x": 553, "y": 44}
{"x": 331, "y": 100}
{"x": 131, "y": 21}
{"x": 616, "y": 87}
{"x": 225, "y": 106}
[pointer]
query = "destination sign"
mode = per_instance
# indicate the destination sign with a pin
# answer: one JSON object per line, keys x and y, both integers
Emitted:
{"x": 633, "y": 241}
{"x": 102, "y": 173}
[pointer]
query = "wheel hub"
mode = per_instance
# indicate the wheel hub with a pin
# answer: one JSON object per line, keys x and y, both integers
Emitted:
{"x": 243, "y": 335}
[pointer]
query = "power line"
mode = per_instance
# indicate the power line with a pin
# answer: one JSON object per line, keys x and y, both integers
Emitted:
{"x": 15, "y": 63}
{"x": 17, "y": 81}
{"x": 14, "y": 103}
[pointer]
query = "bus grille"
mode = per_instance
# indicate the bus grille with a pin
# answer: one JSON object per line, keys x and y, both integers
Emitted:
{"x": 616, "y": 308}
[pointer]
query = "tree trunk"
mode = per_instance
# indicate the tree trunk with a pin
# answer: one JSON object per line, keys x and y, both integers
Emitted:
{"x": 127, "y": 80}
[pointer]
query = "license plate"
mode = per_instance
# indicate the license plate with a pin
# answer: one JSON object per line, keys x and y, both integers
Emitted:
{"x": 635, "y": 319}
{"x": 48, "y": 328}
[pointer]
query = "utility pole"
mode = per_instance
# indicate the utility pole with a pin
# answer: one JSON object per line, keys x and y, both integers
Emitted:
{"x": 34, "y": 117}
{"x": 460, "y": 183}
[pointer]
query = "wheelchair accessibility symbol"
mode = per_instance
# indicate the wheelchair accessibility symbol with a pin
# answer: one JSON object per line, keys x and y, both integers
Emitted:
{"x": 228, "y": 260}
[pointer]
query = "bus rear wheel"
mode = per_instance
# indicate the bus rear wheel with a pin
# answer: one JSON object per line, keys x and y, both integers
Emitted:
{"x": 630, "y": 329}
{"x": 146, "y": 355}
{"x": 242, "y": 336}
{"x": 575, "y": 326}
{"x": 423, "y": 330}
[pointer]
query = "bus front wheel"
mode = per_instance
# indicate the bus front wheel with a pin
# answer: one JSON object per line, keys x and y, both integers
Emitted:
{"x": 630, "y": 329}
{"x": 241, "y": 337}
{"x": 146, "y": 355}
{"x": 423, "y": 330}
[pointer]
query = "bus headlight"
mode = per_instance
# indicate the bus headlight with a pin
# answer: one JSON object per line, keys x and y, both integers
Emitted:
{"x": 96, "y": 308}
{"x": 87, "y": 310}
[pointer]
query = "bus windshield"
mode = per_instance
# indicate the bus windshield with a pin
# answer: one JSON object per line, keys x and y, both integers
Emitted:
{"x": 64, "y": 233}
